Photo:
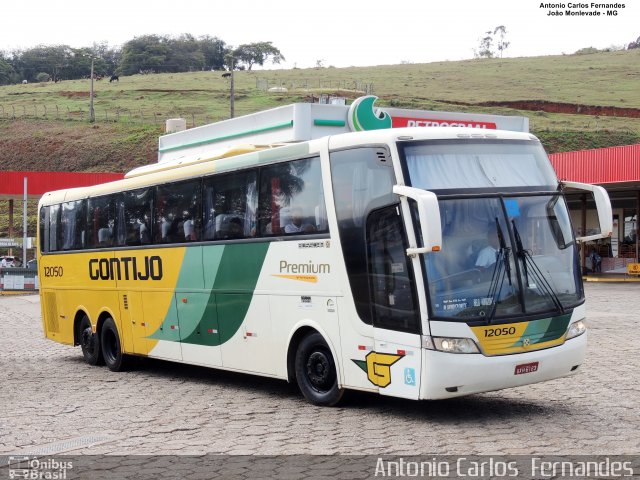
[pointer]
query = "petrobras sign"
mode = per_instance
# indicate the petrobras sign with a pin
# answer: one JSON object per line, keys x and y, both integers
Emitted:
{"x": 363, "y": 115}
{"x": 400, "y": 122}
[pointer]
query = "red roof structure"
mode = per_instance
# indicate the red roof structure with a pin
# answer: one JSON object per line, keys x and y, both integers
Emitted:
{"x": 38, "y": 183}
{"x": 611, "y": 165}
{"x": 601, "y": 166}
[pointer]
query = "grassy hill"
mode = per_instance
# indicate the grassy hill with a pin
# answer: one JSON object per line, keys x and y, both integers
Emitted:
{"x": 573, "y": 102}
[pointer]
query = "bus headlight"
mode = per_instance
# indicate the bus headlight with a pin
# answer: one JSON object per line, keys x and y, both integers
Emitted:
{"x": 455, "y": 345}
{"x": 576, "y": 329}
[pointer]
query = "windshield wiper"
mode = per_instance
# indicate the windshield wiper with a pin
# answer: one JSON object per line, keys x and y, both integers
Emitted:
{"x": 527, "y": 260}
{"x": 503, "y": 266}
{"x": 495, "y": 288}
{"x": 504, "y": 249}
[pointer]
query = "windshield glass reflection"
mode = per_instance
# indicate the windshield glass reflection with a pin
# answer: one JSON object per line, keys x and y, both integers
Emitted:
{"x": 503, "y": 256}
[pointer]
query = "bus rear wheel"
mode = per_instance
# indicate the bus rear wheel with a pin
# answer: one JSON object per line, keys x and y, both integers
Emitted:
{"x": 316, "y": 371}
{"x": 115, "y": 360}
{"x": 89, "y": 343}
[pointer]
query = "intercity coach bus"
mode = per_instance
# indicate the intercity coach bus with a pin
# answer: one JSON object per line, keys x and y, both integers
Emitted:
{"x": 423, "y": 263}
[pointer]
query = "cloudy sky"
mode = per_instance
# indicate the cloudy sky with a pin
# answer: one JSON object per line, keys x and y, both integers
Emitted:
{"x": 341, "y": 33}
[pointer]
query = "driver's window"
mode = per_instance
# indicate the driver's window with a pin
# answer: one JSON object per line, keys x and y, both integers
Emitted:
{"x": 391, "y": 278}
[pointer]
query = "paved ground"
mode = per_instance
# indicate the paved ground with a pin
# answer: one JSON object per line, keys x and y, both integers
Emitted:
{"x": 48, "y": 394}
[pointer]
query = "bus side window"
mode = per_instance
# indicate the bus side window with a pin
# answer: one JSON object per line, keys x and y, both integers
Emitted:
{"x": 100, "y": 222}
{"x": 43, "y": 227}
{"x": 74, "y": 224}
{"x": 291, "y": 200}
{"x": 133, "y": 219}
{"x": 177, "y": 212}
{"x": 54, "y": 222}
{"x": 229, "y": 204}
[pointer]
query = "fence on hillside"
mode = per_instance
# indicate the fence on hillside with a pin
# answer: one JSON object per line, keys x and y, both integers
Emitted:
{"x": 304, "y": 85}
{"x": 153, "y": 117}
{"x": 139, "y": 116}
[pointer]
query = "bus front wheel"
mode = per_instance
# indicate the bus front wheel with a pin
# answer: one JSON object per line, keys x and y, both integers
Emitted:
{"x": 316, "y": 371}
{"x": 115, "y": 360}
{"x": 89, "y": 342}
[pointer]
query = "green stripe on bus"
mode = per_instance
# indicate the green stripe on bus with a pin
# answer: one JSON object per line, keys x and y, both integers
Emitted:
{"x": 237, "y": 269}
{"x": 545, "y": 330}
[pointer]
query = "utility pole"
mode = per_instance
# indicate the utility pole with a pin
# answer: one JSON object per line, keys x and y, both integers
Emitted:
{"x": 24, "y": 225}
{"x": 233, "y": 92}
{"x": 10, "y": 223}
{"x": 92, "y": 115}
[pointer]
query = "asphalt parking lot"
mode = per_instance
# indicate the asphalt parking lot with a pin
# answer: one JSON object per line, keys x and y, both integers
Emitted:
{"x": 50, "y": 397}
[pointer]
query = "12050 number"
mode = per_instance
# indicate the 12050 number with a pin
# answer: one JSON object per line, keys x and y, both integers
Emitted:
{"x": 498, "y": 332}
{"x": 53, "y": 271}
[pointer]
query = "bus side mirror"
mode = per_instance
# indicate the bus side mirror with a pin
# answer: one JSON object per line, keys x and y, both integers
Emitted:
{"x": 428, "y": 216}
{"x": 603, "y": 207}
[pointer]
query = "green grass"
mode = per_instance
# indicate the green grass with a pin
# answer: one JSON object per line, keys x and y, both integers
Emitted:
{"x": 601, "y": 79}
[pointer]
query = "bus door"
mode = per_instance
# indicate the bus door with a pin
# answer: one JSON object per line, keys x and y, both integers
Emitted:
{"x": 395, "y": 364}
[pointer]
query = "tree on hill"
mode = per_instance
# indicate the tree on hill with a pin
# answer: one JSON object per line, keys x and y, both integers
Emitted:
{"x": 213, "y": 49}
{"x": 635, "y": 44}
{"x": 485, "y": 47}
{"x": 486, "y": 43}
{"x": 184, "y": 54}
{"x": 51, "y": 59}
{"x": 502, "y": 44}
{"x": 7, "y": 73}
{"x": 251, "y": 54}
{"x": 148, "y": 52}
{"x": 61, "y": 62}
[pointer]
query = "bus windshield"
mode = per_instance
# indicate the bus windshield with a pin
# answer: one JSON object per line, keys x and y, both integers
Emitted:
{"x": 503, "y": 255}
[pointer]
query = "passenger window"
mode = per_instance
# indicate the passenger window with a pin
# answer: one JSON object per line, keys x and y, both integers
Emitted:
{"x": 177, "y": 212}
{"x": 133, "y": 220}
{"x": 292, "y": 199}
{"x": 44, "y": 230}
{"x": 54, "y": 222}
{"x": 101, "y": 222}
{"x": 72, "y": 226}
{"x": 229, "y": 206}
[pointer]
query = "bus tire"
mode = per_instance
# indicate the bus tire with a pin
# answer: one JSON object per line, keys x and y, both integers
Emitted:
{"x": 115, "y": 360}
{"x": 89, "y": 343}
{"x": 316, "y": 371}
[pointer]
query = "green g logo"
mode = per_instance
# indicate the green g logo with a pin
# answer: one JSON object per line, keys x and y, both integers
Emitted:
{"x": 362, "y": 116}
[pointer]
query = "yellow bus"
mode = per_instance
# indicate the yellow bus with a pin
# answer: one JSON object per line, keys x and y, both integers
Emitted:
{"x": 423, "y": 263}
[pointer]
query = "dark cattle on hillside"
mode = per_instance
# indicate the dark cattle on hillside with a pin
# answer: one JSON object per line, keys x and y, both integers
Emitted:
{"x": 114, "y": 77}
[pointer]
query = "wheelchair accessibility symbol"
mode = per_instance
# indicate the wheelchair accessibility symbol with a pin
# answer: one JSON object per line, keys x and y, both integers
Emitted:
{"x": 410, "y": 377}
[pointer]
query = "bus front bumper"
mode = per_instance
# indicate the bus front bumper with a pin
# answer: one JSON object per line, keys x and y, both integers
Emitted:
{"x": 447, "y": 375}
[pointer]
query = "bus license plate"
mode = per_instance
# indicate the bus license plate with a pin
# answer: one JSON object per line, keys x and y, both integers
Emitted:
{"x": 526, "y": 368}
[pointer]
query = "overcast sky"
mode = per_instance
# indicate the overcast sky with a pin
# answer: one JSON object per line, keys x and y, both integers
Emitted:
{"x": 342, "y": 33}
